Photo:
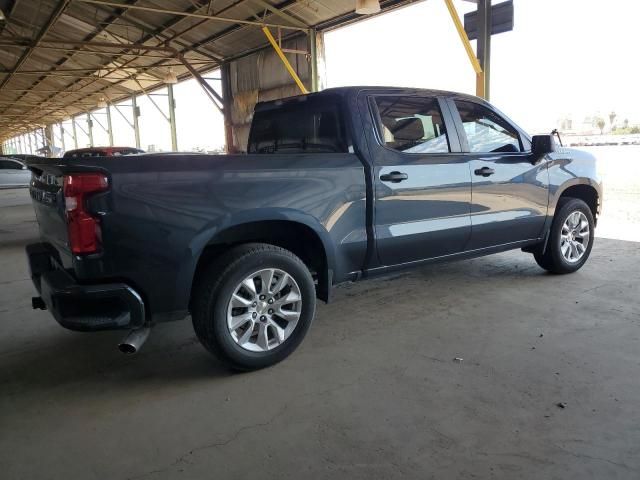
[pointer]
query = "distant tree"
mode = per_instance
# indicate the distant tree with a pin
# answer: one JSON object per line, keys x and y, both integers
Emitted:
{"x": 612, "y": 117}
{"x": 600, "y": 123}
{"x": 626, "y": 123}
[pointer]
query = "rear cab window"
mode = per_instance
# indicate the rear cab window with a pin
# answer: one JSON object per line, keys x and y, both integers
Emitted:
{"x": 305, "y": 125}
{"x": 411, "y": 124}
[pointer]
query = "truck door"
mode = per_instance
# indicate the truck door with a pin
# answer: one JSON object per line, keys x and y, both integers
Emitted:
{"x": 509, "y": 194}
{"x": 422, "y": 184}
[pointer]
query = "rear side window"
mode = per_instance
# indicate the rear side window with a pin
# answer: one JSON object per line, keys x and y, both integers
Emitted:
{"x": 94, "y": 153}
{"x": 132, "y": 151}
{"x": 411, "y": 124}
{"x": 486, "y": 131}
{"x": 309, "y": 126}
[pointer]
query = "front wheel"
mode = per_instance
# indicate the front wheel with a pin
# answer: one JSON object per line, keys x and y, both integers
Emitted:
{"x": 570, "y": 239}
{"x": 254, "y": 305}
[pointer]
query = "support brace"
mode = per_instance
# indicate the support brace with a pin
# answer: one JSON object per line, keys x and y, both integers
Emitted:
{"x": 284, "y": 59}
{"x": 468, "y": 48}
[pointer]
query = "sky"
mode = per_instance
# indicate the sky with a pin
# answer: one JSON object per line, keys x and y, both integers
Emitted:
{"x": 564, "y": 58}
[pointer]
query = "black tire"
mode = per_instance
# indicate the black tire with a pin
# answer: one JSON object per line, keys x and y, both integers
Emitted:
{"x": 552, "y": 259}
{"x": 215, "y": 288}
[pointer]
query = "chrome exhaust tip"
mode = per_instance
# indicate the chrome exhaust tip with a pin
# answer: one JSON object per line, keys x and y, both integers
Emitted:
{"x": 133, "y": 342}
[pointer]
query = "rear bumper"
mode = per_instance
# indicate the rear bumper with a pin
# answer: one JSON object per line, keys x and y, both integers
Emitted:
{"x": 107, "y": 306}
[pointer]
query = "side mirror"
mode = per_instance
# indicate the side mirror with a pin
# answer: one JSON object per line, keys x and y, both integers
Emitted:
{"x": 542, "y": 145}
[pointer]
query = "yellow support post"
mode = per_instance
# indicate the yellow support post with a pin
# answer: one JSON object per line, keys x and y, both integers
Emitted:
{"x": 467, "y": 46}
{"x": 282, "y": 56}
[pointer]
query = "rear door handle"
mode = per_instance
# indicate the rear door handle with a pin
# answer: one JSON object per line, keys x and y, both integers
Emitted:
{"x": 394, "y": 177}
{"x": 484, "y": 171}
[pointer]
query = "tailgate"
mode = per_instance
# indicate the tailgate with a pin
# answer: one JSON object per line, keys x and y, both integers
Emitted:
{"x": 48, "y": 202}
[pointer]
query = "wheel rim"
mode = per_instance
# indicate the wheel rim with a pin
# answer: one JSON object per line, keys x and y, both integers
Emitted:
{"x": 574, "y": 238}
{"x": 264, "y": 310}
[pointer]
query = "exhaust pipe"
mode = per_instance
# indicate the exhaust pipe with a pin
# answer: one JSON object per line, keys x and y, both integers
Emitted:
{"x": 134, "y": 340}
{"x": 37, "y": 303}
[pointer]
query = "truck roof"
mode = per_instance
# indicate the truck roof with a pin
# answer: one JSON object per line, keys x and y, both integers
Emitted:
{"x": 354, "y": 90}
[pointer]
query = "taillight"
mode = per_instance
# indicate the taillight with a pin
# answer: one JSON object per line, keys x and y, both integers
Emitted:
{"x": 84, "y": 229}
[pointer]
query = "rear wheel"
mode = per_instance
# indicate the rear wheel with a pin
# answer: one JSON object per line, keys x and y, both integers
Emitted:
{"x": 570, "y": 239}
{"x": 253, "y": 306}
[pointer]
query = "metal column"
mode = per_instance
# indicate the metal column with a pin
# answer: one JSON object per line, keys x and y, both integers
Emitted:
{"x": 75, "y": 132}
{"x": 227, "y": 100}
{"x": 313, "y": 52}
{"x": 90, "y": 128}
{"x": 136, "y": 126}
{"x": 49, "y": 138}
{"x": 109, "y": 126}
{"x": 484, "y": 47}
{"x": 172, "y": 119}
{"x": 64, "y": 149}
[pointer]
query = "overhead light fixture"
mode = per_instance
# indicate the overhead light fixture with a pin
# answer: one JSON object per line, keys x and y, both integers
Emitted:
{"x": 367, "y": 7}
{"x": 170, "y": 78}
{"x": 102, "y": 103}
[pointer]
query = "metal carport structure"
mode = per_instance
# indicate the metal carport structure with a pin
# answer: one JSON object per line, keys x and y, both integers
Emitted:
{"x": 63, "y": 58}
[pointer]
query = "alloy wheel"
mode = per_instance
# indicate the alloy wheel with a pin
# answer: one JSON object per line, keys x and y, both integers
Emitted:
{"x": 574, "y": 237}
{"x": 264, "y": 310}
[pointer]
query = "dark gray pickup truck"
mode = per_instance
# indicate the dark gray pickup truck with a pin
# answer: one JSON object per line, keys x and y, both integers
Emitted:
{"x": 335, "y": 186}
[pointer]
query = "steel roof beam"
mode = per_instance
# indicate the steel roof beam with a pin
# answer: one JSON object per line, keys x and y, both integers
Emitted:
{"x": 286, "y": 16}
{"x": 214, "y": 18}
{"x": 189, "y": 48}
{"x": 161, "y": 36}
{"x": 159, "y": 30}
{"x": 57, "y": 11}
{"x": 64, "y": 4}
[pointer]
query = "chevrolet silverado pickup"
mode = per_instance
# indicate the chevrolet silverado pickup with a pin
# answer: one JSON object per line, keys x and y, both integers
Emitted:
{"x": 335, "y": 186}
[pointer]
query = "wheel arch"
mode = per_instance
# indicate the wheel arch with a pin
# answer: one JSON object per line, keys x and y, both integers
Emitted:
{"x": 586, "y": 192}
{"x": 298, "y": 233}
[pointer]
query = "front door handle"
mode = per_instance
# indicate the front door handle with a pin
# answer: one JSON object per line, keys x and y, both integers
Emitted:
{"x": 484, "y": 172}
{"x": 394, "y": 177}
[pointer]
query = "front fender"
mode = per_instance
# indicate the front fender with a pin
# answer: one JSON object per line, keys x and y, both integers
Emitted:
{"x": 570, "y": 167}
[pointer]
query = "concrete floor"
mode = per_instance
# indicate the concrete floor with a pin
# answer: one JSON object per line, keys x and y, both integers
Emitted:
{"x": 373, "y": 392}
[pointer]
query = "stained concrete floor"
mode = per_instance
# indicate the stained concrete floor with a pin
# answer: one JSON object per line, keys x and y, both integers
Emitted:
{"x": 373, "y": 392}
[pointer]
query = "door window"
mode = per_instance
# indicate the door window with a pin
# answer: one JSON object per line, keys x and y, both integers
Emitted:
{"x": 486, "y": 131}
{"x": 411, "y": 124}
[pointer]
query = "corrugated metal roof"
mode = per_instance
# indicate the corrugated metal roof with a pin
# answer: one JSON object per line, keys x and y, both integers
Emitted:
{"x": 46, "y": 77}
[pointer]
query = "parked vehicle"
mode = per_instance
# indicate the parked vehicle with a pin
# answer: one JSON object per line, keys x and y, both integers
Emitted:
{"x": 13, "y": 173}
{"x": 336, "y": 186}
{"x": 101, "y": 152}
{"x": 23, "y": 157}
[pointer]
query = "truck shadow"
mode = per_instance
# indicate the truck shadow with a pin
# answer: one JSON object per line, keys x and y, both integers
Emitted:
{"x": 60, "y": 359}
{"x": 88, "y": 363}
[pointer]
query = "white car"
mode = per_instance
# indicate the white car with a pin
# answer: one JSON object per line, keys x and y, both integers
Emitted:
{"x": 13, "y": 173}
